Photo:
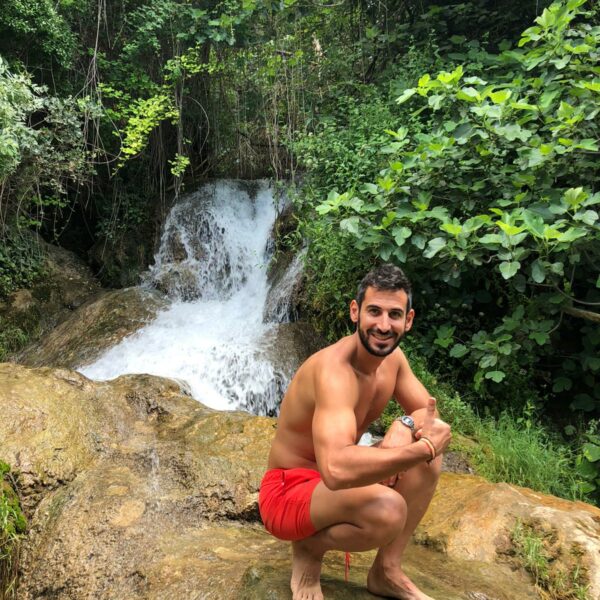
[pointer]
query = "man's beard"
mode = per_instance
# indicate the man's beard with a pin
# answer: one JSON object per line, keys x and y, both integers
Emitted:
{"x": 364, "y": 338}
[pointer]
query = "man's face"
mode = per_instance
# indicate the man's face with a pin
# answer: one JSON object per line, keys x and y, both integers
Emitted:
{"x": 382, "y": 320}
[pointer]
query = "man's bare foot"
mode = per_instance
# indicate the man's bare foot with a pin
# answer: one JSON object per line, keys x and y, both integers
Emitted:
{"x": 306, "y": 572}
{"x": 393, "y": 583}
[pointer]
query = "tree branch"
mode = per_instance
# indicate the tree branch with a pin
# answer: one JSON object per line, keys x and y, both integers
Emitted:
{"x": 582, "y": 314}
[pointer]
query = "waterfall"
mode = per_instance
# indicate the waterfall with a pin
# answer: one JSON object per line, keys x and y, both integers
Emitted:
{"x": 212, "y": 262}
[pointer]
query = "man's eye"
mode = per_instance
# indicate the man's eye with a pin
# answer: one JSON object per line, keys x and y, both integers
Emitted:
{"x": 395, "y": 315}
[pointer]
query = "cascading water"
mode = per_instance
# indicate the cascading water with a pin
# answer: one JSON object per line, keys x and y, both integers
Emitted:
{"x": 212, "y": 263}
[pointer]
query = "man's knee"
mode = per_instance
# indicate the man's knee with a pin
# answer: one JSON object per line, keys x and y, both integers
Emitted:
{"x": 387, "y": 512}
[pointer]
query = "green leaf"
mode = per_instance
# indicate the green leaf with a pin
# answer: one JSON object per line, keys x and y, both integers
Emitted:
{"x": 562, "y": 384}
{"x": 351, "y": 224}
{"x": 508, "y": 228}
{"x": 490, "y": 238}
{"x": 541, "y": 337}
{"x": 534, "y": 223}
{"x": 406, "y": 95}
{"x": 587, "y": 144}
{"x": 370, "y": 188}
{"x": 434, "y": 246}
{"x": 575, "y": 196}
{"x": 419, "y": 240}
{"x": 424, "y": 80}
{"x": 458, "y": 351}
{"x": 589, "y": 217}
{"x": 500, "y": 97}
{"x": 538, "y": 272}
{"x": 509, "y": 269}
{"x": 583, "y": 402}
{"x": 469, "y": 94}
{"x": 452, "y": 228}
{"x": 435, "y": 101}
{"x": 401, "y": 234}
{"x": 591, "y": 452}
{"x": 496, "y": 376}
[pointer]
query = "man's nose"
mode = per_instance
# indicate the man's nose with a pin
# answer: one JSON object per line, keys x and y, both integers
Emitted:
{"x": 384, "y": 323}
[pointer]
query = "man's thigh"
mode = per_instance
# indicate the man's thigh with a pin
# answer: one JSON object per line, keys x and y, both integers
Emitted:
{"x": 358, "y": 506}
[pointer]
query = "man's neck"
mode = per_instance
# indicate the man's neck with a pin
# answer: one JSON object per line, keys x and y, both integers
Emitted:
{"x": 363, "y": 361}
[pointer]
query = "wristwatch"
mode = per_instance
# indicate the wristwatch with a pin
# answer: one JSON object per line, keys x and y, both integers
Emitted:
{"x": 408, "y": 422}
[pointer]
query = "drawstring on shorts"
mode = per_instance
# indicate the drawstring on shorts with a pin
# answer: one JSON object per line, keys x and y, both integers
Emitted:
{"x": 347, "y": 566}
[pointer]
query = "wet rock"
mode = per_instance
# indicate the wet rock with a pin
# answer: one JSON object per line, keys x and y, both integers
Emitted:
{"x": 285, "y": 285}
{"x": 285, "y": 274}
{"x": 287, "y": 345}
{"x": 438, "y": 576}
{"x": 96, "y": 326}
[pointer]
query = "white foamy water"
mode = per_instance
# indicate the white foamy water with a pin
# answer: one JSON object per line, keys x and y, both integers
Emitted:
{"x": 212, "y": 263}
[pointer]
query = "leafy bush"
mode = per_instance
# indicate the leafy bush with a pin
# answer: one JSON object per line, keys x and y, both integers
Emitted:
{"x": 493, "y": 209}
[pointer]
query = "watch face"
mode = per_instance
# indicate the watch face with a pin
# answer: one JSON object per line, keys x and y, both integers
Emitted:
{"x": 408, "y": 421}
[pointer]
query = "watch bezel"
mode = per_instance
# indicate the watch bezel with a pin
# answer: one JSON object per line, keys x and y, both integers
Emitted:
{"x": 408, "y": 422}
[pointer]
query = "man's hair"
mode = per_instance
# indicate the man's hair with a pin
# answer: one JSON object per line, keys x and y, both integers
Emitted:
{"x": 386, "y": 277}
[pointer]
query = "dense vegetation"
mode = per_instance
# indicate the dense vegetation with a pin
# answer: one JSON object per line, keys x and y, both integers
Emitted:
{"x": 457, "y": 139}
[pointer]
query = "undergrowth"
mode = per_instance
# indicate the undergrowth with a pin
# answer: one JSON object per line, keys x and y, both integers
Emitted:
{"x": 12, "y": 529}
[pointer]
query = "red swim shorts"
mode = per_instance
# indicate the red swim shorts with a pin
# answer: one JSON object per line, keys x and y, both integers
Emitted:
{"x": 284, "y": 502}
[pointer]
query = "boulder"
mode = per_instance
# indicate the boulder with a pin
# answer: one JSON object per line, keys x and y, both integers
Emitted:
{"x": 135, "y": 490}
{"x": 65, "y": 284}
{"x": 94, "y": 327}
{"x": 470, "y": 518}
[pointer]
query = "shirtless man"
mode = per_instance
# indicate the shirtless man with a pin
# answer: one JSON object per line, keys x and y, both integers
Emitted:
{"x": 324, "y": 492}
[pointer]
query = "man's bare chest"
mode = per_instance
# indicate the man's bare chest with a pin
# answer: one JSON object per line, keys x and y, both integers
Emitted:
{"x": 373, "y": 397}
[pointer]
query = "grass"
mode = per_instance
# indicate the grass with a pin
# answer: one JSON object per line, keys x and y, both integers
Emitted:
{"x": 525, "y": 454}
{"x": 557, "y": 572}
{"x": 12, "y": 529}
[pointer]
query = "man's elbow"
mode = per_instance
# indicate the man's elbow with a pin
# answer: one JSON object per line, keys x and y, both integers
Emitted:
{"x": 334, "y": 478}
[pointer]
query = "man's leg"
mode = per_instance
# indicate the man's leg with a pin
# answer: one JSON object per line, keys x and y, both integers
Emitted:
{"x": 357, "y": 519}
{"x": 386, "y": 577}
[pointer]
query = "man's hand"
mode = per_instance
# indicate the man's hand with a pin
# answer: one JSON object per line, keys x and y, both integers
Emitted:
{"x": 435, "y": 430}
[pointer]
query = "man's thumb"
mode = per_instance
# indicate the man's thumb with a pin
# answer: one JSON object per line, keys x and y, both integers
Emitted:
{"x": 431, "y": 406}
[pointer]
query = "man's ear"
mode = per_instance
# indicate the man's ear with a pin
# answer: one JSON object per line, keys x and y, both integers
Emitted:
{"x": 354, "y": 310}
{"x": 409, "y": 319}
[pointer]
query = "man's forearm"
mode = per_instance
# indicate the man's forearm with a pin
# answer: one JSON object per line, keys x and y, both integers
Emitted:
{"x": 357, "y": 466}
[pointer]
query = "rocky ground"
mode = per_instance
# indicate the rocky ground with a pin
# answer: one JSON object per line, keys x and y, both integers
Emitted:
{"x": 135, "y": 490}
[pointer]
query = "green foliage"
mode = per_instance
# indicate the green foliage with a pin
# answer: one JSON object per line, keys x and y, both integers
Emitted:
{"x": 20, "y": 262}
{"x": 18, "y": 99}
{"x": 12, "y": 530}
{"x": 587, "y": 461}
{"x": 537, "y": 552}
{"x": 35, "y": 30}
{"x": 489, "y": 200}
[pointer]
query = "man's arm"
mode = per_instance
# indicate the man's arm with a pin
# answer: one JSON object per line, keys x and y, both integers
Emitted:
{"x": 409, "y": 392}
{"x": 341, "y": 462}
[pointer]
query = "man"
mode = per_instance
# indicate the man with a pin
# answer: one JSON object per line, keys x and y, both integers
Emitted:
{"x": 322, "y": 491}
